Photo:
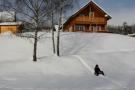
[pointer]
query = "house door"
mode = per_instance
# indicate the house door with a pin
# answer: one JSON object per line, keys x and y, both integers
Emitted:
{"x": 92, "y": 29}
{"x": 95, "y": 29}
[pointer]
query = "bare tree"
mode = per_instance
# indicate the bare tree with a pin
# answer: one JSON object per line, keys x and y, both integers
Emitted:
{"x": 60, "y": 7}
{"x": 33, "y": 13}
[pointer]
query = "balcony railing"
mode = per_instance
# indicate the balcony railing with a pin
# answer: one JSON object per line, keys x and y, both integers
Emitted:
{"x": 88, "y": 20}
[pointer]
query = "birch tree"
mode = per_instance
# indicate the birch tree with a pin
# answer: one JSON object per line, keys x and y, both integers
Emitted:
{"x": 60, "y": 7}
{"x": 33, "y": 13}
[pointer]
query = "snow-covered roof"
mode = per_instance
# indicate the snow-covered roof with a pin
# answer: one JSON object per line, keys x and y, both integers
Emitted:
{"x": 11, "y": 23}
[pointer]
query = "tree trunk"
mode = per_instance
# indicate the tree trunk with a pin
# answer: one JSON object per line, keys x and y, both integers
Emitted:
{"x": 53, "y": 41}
{"x": 36, "y": 38}
{"x": 58, "y": 35}
{"x": 58, "y": 43}
{"x": 35, "y": 46}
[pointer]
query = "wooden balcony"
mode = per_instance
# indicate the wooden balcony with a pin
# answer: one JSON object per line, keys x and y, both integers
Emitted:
{"x": 90, "y": 20}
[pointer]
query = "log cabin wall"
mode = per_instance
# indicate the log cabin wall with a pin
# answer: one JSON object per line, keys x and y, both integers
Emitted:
{"x": 11, "y": 28}
{"x": 90, "y": 18}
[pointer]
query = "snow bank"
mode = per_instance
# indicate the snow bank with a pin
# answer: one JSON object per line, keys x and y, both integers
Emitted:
{"x": 85, "y": 43}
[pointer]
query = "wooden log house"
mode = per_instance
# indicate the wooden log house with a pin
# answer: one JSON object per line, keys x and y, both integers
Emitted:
{"x": 8, "y": 22}
{"x": 90, "y": 18}
{"x": 13, "y": 27}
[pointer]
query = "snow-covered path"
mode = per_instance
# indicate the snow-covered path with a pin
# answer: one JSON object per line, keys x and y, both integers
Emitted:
{"x": 90, "y": 69}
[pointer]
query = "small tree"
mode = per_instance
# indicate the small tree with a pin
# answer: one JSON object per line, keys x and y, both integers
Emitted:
{"x": 60, "y": 7}
{"x": 32, "y": 12}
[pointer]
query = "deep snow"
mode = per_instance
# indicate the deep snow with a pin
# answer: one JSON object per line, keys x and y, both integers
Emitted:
{"x": 74, "y": 69}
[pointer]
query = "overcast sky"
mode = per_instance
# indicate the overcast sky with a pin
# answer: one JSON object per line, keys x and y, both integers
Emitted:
{"x": 120, "y": 10}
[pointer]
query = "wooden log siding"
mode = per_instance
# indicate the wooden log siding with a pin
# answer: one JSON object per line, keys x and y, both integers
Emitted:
{"x": 13, "y": 27}
{"x": 90, "y": 20}
{"x": 5, "y": 28}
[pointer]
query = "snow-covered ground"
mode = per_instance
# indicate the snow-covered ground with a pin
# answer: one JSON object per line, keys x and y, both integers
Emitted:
{"x": 80, "y": 52}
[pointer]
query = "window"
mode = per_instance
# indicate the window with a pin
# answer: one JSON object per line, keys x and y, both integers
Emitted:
{"x": 80, "y": 27}
{"x": 91, "y": 13}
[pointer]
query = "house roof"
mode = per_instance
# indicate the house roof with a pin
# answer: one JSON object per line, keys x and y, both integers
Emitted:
{"x": 77, "y": 12}
{"x": 10, "y": 23}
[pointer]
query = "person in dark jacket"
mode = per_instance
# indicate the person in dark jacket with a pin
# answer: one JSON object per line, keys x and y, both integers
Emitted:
{"x": 98, "y": 71}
